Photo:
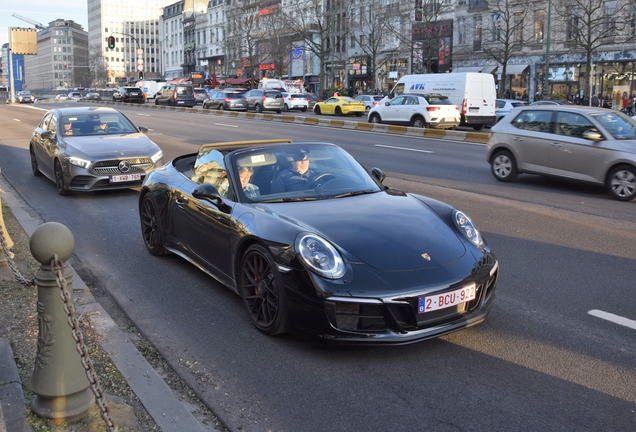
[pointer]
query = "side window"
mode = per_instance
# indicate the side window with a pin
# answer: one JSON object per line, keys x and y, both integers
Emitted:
{"x": 210, "y": 168}
{"x": 412, "y": 100}
{"x": 537, "y": 121}
{"x": 44, "y": 124}
{"x": 398, "y": 101}
{"x": 398, "y": 89}
{"x": 571, "y": 124}
{"x": 501, "y": 104}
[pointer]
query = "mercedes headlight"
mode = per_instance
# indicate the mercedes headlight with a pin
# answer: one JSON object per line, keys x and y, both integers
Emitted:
{"x": 467, "y": 228}
{"x": 82, "y": 163}
{"x": 320, "y": 256}
{"x": 156, "y": 157}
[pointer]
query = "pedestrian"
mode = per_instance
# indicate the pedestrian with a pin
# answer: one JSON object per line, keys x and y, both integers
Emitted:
{"x": 336, "y": 94}
{"x": 595, "y": 101}
{"x": 630, "y": 105}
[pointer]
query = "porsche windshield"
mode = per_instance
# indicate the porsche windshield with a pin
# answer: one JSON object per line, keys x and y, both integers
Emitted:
{"x": 299, "y": 172}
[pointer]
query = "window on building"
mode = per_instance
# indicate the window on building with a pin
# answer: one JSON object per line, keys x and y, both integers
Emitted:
{"x": 495, "y": 30}
{"x": 610, "y": 17}
{"x": 572, "y": 24}
{"x": 352, "y": 42}
{"x": 478, "y": 26}
{"x": 539, "y": 26}
{"x": 461, "y": 31}
{"x": 518, "y": 31}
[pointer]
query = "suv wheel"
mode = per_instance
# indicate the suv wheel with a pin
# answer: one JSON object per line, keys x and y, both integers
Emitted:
{"x": 418, "y": 122}
{"x": 285, "y": 108}
{"x": 621, "y": 183}
{"x": 375, "y": 118}
{"x": 504, "y": 166}
{"x": 257, "y": 108}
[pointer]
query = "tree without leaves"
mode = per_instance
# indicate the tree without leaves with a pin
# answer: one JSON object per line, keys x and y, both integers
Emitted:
{"x": 589, "y": 26}
{"x": 503, "y": 37}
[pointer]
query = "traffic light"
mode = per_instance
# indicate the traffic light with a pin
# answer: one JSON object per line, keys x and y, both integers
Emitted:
{"x": 141, "y": 75}
{"x": 111, "y": 42}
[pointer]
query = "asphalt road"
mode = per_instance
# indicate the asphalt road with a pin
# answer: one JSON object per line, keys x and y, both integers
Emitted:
{"x": 541, "y": 361}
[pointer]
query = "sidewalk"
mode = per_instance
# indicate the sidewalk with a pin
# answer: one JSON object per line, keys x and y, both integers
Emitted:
{"x": 158, "y": 399}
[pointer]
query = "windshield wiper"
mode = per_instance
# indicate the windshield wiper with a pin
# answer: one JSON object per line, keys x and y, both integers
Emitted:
{"x": 354, "y": 193}
{"x": 295, "y": 199}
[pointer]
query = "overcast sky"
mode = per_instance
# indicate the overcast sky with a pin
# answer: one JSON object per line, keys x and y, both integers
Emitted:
{"x": 41, "y": 11}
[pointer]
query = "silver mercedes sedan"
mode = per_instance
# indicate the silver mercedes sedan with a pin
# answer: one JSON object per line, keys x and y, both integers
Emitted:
{"x": 88, "y": 149}
{"x": 588, "y": 144}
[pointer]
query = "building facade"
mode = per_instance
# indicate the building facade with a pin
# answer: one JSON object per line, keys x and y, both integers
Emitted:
{"x": 62, "y": 59}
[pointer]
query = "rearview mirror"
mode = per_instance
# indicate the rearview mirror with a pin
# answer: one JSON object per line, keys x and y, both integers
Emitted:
{"x": 592, "y": 135}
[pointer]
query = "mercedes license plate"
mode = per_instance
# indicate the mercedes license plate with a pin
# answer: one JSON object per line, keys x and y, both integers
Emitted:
{"x": 124, "y": 178}
{"x": 435, "y": 302}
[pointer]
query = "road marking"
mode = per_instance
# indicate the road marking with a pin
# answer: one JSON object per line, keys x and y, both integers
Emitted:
{"x": 616, "y": 319}
{"x": 403, "y": 148}
{"x": 223, "y": 124}
{"x": 15, "y": 119}
{"x": 143, "y": 115}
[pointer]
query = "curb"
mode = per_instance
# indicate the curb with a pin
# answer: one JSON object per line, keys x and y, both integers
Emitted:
{"x": 167, "y": 411}
{"x": 455, "y": 135}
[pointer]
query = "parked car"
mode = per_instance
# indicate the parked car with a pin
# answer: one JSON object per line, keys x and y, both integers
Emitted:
{"x": 60, "y": 97}
{"x": 504, "y": 106}
{"x": 590, "y": 144}
{"x": 92, "y": 148}
{"x": 340, "y": 106}
{"x": 226, "y": 100}
{"x": 548, "y": 102}
{"x": 328, "y": 258}
{"x": 312, "y": 99}
{"x": 25, "y": 96}
{"x": 93, "y": 96}
{"x": 129, "y": 95}
{"x": 199, "y": 95}
{"x": 370, "y": 101}
{"x": 429, "y": 110}
{"x": 75, "y": 95}
{"x": 295, "y": 101}
{"x": 176, "y": 95}
{"x": 264, "y": 100}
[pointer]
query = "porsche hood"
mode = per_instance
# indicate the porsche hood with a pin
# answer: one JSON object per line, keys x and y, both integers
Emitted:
{"x": 387, "y": 232}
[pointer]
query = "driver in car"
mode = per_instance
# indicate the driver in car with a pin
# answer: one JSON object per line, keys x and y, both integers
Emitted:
{"x": 298, "y": 177}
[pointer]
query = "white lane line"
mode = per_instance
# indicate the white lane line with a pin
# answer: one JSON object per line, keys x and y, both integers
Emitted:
{"x": 143, "y": 115}
{"x": 616, "y": 319}
{"x": 403, "y": 148}
{"x": 15, "y": 119}
{"x": 227, "y": 125}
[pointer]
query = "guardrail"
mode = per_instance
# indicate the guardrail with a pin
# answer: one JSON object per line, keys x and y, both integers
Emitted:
{"x": 455, "y": 135}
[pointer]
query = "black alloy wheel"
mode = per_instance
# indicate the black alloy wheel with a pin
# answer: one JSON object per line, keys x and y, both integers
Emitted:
{"x": 34, "y": 164}
{"x": 262, "y": 291}
{"x": 62, "y": 189}
{"x": 317, "y": 110}
{"x": 150, "y": 226}
{"x": 338, "y": 111}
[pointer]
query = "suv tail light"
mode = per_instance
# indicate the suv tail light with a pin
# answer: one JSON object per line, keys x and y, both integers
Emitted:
{"x": 432, "y": 108}
{"x": 464, "y": 110}
{"x": 263, "y": 97}
{"x": 174, "y": 95}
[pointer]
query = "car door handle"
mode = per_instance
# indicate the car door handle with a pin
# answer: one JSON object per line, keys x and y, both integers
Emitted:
{"x": 181, "y": 202}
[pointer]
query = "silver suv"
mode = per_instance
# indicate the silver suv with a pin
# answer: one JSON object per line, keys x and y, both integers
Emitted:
{"x": 264, "y": 100}
{"x": 590, "y": 144}
{"x": 430, "y": 110}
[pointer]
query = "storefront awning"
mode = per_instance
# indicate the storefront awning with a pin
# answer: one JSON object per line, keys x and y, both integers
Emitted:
{"x": 488, "y": 69}
{"x": 516, "y": 69}
{"x": 468, "y": 69}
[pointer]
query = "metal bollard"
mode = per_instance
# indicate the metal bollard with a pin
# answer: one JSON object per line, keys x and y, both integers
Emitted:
{"x": 7, "y": 240}
{"x": 59, "y": 382}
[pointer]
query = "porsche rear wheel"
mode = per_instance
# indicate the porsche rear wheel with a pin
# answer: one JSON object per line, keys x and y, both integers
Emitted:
{"x": 150, "y": 227}
{"x": 261, "y": 289}
{"x": 338, "y": 111}
{"x": 317, "y": 111}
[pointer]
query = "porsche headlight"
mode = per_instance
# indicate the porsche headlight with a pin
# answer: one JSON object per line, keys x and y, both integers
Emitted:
{"x": 83, "y": 163}
{"x": 467, "y": 228}
{"x": 157, "y": 156}
{"x": 320, "y": 256}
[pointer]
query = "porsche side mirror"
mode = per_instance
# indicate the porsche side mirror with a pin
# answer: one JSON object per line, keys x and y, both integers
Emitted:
{"x": 143, "y": 129}
{"x": 209, "y": 192}
{"x": 46, "y": 134}
{"x": 378, "y": 174}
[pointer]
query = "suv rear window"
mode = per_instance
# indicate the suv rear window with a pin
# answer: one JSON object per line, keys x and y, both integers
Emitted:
{"x": 438, "y": 100}
{"x": 184, "y": 90}
{"x": 273, "y": 94}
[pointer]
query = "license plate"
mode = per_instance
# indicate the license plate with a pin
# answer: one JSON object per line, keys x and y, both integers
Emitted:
{"x": 124, "y": 178}
{"x": 180, "y": 102}
{"x": 444, "y": 300}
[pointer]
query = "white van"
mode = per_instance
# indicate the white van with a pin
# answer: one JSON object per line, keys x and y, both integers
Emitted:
{"x": 289, "y": 86}
{"x": 474, "y": 93}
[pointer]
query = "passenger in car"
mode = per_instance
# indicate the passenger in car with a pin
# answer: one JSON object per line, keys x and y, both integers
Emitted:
{"x": 245, "y": 174}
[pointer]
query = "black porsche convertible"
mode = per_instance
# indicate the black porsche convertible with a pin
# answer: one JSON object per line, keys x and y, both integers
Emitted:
{"x": 314, "y": 243}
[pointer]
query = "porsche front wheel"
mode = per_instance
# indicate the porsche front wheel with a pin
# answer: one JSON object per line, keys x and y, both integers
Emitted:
{"x": 261, "y": 289}
{"x": 150, "y": 226}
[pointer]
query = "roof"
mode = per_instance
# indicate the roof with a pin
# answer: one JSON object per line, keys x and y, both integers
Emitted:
{"x": 240, "y": 144}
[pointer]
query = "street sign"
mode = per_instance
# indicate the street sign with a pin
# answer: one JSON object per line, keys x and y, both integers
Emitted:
{"x": 140, "y": 84}
{"x": 140, "y": 51}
